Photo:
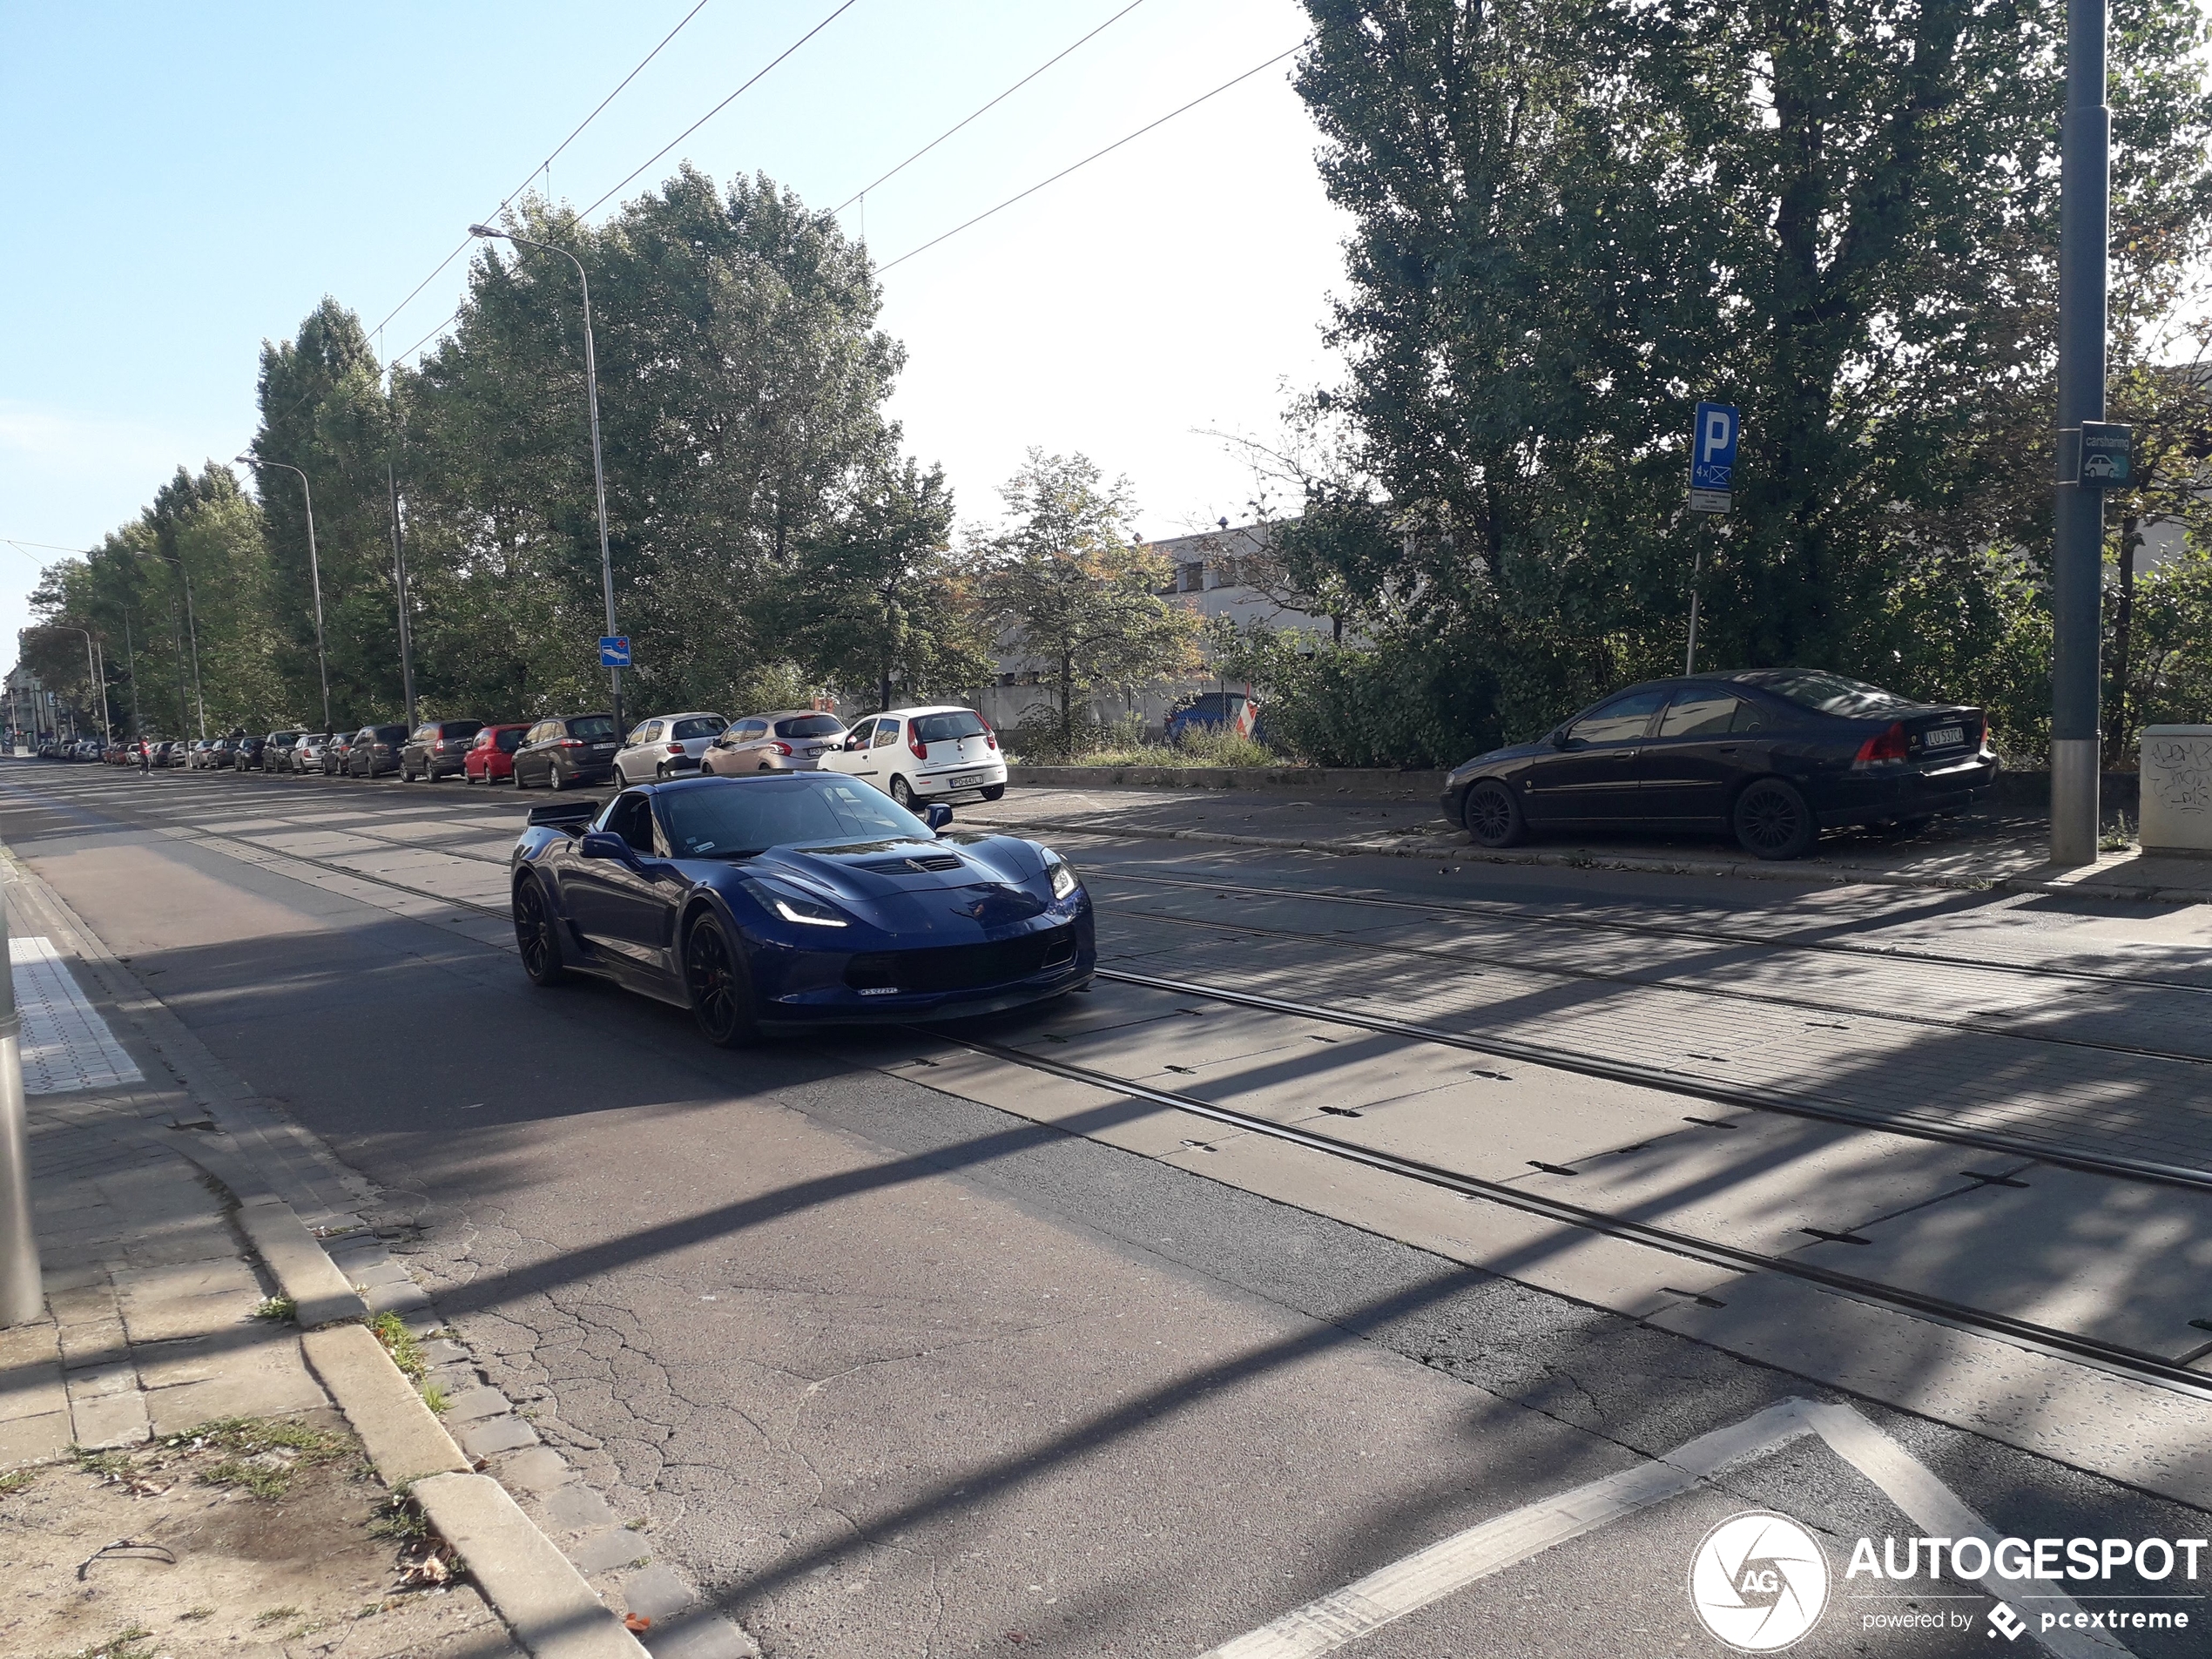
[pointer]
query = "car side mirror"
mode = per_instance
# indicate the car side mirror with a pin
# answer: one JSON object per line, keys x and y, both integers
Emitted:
{"x": 602, "y": 844}
{"x": 1561, "y": 739}
{"x": 937, "y": 815}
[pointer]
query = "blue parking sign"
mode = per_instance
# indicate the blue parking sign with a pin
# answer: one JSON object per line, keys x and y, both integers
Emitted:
{"x": 614, "y": 650}
{"x": 1712, "y": 449}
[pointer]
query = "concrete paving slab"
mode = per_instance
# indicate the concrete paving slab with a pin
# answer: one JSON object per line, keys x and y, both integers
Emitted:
{"x": 2147, "y": 1436}
{"x": 268, "y": 1380}
{"x": 490, "y": 1434}
{"x": 31, "y": 1373}
{"x": 473, "y": 1403}
{"x": 35, "y": 1439}
{"x": 2126, "y": 1262}
{"x": 99, "y": 1421}
{"x": 539, "y": 1468}
{"x": 604, "y": 1551}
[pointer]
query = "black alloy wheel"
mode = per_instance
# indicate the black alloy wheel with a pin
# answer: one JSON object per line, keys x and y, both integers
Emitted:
{"x": 902, "y": 792}
{"x": 661, "y": 774}
{"x": 718, "y": 986}
{"x": 536, "y": 935}
{"x": 514, "y": 776}
{"x": 994, "y": 792}
{"x": 1773, "y": 821}
{"x": 1493, "y": 816}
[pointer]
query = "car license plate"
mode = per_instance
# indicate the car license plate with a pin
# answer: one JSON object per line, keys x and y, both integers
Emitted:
{"x": 603, "y": 748}
{"x": 965, "y": 779}
{"x": 1943, "y": 737}
{"x": 814, "y": 754}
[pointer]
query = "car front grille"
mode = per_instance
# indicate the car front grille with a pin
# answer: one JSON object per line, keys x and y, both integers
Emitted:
{"x": 962, "y": 967}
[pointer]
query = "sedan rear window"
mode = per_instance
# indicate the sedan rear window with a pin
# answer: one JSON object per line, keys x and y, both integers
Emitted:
{"x": 594, "y": 727}
{"x": 741, "y": 818}
{"x": 1825, "y": 693}
{"x": 811, "y": 726}
{"x": 949, "y": 728}
{"x": 707, "y": 725}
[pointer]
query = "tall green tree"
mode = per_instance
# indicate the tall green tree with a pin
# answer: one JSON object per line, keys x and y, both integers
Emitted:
{"x": 1067, "y": 587}
{"x": 877, "y": 599}
{"x": 1573, "y": 219}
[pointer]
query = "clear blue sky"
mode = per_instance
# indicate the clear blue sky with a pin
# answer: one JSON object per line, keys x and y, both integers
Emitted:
{"x": 181, "y": 183}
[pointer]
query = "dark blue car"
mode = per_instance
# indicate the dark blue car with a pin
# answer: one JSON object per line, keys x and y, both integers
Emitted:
{"x": 787, "y": 900}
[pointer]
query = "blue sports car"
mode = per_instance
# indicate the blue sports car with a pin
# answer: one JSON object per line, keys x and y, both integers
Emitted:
{"x": 786, "y": 899}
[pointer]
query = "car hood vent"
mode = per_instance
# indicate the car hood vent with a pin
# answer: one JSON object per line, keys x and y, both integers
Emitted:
{"x": 921, "y": 863}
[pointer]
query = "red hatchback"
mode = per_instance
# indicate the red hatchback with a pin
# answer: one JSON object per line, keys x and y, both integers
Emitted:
{"x": 491, "y": 758}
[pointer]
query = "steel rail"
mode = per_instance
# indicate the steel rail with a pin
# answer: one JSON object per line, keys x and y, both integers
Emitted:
{"x": 1773, "y": 998}
{"x": 1671, "y": 1082}
{"x": 1503, "y": 913}
{"x": 2114, "y": 1358}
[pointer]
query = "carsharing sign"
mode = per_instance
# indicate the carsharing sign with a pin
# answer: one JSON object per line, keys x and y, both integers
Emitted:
{"x": 1712, "y": 457}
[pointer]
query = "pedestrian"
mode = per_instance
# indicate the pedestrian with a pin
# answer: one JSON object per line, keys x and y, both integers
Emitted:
{"x": 146, "y": 758}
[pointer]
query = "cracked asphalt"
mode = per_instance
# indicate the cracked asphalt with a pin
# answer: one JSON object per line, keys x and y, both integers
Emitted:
{"x": 889, "y": 1371}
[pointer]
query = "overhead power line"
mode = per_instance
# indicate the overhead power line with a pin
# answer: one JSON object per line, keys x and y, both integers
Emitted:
{"x": 993, "y": 104}
{"x": 543, "y": 165}
{"x": 725, "y": 103}
{"x": 1087, "y": 159}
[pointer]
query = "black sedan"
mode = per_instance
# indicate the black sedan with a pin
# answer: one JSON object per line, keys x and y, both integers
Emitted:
{"x": 785, "y": 900}
{"x": 1774, "y": 755}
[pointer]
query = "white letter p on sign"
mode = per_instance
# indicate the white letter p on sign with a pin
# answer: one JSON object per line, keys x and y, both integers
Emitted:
{"x": 1718, "y": 432}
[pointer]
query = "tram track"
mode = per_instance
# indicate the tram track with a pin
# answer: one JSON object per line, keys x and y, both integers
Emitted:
{"x": 1688, "y": 989}
{"x": 1508, "y": 914}
{"x": 2113, "y": 1358}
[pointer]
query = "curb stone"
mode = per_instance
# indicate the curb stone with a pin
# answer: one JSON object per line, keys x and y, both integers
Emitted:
{"x": 550, "y": 1610}
{"x": 1466, "y": 852}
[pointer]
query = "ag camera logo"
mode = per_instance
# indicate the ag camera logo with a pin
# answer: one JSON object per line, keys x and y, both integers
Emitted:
{"x": 1759, "y": 1581}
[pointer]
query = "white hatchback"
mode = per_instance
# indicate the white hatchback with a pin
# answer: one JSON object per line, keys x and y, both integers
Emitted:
{"x": 668, "y": 746}
{"x": 919, "y": 755}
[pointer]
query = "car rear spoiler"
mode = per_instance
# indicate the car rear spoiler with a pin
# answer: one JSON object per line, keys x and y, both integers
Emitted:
{"x": 570, "y": 815}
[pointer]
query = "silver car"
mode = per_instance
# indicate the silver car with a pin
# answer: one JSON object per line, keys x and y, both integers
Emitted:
{"x": 787, "y": 740}
{"x": 668, "y": 746}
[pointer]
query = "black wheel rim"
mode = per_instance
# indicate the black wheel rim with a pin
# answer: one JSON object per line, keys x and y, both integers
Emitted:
{"x": 1770, "y": 819}
{"x": 713, "y": 986}
{"x": 533, "y": 930}
{"x": 1490, "y": 816}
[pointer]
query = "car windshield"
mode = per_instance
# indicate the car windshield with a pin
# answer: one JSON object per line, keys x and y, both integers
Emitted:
{"x": 949, "y": 728}
{"x": 739, "y": 818}
{"x": 705, "y": 725}
{"x": 595, "y": 728}
{"x": 811, "y": 726}
{"x": 1825, "y": 693}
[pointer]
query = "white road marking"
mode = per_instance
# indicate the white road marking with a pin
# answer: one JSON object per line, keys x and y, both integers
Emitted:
{"x": 66, "y": 1046}
{"x": 1430, "y": 1575}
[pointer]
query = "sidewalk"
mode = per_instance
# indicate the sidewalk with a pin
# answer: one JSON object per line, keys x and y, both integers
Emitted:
{"x": 1972, "y": 852}
{"x": 203, "y": 1447}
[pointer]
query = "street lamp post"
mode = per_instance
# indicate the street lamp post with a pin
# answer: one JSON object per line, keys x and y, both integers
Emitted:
{"x": 314, "y": 571}
{"x": 91, "y": 668}
{"x": 2085, "y": 235}
{"x": 192, "y": 622}
{"x": 599, "y": 469}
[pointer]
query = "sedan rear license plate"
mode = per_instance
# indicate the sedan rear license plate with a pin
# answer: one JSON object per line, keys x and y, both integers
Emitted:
{"x": 965, "y": 779}
{"x": 814, "y": 754}
{"x": 1943, "y": 737}
{"x": 603, "y": 748}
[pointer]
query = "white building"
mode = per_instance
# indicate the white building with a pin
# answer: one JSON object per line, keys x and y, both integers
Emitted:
{"x": 1223, "y": 572}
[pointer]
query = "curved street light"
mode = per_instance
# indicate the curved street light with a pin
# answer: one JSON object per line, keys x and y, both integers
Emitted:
{"x": 98, "y": 680}
{"x": 314, "y": 570}
{"x": 599, "y": 469}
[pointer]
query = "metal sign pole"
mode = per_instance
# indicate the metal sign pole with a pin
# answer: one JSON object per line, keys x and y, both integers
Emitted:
{"x": 22, "y": 1290}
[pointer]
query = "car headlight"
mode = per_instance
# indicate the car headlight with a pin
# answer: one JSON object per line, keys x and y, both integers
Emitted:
{"x": 1063, "y": 877}
{"x": 792, "y": 906}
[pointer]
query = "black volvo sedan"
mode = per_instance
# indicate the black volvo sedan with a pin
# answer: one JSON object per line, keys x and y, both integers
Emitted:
{"x": 1774, "y": 755}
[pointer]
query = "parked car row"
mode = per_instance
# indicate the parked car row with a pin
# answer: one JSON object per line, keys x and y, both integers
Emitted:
{"x": 937, "y": 752}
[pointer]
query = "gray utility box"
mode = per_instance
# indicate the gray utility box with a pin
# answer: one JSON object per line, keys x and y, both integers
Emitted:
{"x": 2177, "y": 789}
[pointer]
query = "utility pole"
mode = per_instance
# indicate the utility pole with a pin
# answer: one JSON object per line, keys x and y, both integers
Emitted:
{"x": 131, "y": 665}
{"x": 314, "y": 572}
{"x": 2077, "y": 554}
{"x": 399, "y": 586}
{"x": 22, "y": 1290}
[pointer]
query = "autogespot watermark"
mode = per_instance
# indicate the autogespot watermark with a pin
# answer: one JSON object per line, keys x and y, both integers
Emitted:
{"x": 1759, "y": 1582}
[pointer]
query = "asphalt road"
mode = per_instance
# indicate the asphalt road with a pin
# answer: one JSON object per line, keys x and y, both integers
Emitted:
{"x": 891, "y": 1370}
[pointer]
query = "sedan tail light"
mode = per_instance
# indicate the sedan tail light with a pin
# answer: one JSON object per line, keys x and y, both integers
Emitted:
{"x": 1885, "y": 749}
{"x": 569, "y": 743}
